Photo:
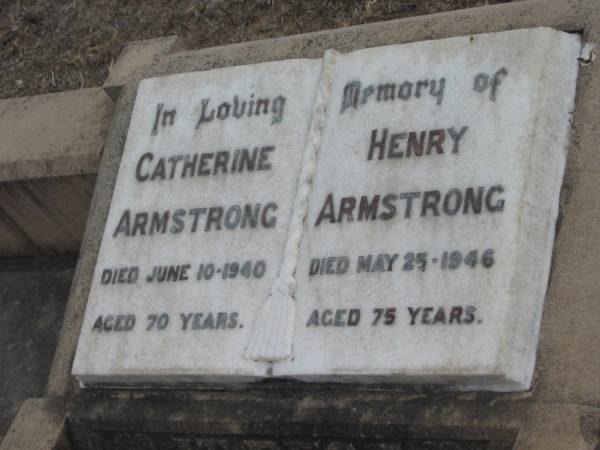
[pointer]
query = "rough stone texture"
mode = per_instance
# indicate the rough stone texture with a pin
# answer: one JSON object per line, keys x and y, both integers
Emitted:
{"x": 565, "y": 398}
{"x": 50, "y": 148}
{"x": 33, "y": 295}
{"x": 568, "y": 360}
{"x": 316, "y": 418}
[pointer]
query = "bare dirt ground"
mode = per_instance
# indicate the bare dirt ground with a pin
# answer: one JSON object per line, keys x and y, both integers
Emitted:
{"x": 56, "y": 45}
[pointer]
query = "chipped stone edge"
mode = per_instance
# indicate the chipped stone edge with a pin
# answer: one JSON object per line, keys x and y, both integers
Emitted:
{"x": 133, "y": 59}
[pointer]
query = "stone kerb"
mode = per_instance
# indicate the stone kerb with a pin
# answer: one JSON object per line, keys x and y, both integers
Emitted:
{"x": 50, "y": 148}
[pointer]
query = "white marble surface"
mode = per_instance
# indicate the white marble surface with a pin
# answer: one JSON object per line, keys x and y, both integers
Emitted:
{"x": 172, "y": 354}
{"x": 493, "y": 115}
{"x": 517, "y": 141}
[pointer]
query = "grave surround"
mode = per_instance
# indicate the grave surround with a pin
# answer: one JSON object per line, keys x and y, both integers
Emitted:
{"x": 559, "y": 411}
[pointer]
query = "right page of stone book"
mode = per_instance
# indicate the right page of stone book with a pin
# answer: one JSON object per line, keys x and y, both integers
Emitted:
{"x": 427, "y": 245}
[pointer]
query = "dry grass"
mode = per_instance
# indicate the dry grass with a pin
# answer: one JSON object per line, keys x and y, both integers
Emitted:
{"x": 55, "y": 45}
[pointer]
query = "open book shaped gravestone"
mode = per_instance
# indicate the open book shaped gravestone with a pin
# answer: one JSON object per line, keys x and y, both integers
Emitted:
{"x": 383, "y": 216}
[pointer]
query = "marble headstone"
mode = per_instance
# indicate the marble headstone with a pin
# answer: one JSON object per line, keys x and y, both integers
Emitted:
{"x": 382, "y": 216}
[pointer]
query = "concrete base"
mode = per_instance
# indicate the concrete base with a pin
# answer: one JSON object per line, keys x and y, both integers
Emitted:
{"x": 33, "y": 295}
{"x": 283, "y": 418}
{"x": 40, "y": 425}
{"x": 331, "y": 419}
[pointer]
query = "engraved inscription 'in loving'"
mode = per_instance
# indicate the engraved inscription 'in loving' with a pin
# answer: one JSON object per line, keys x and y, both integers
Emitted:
{"x": 261, "y": 106}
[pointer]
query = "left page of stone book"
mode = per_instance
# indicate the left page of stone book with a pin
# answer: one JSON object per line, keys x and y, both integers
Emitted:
{"x": 197, "y": 225}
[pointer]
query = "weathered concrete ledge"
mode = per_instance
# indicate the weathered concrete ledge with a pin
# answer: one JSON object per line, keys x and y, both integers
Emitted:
{"x": 53, "y": 135}
{"x": 50, "y": 149}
